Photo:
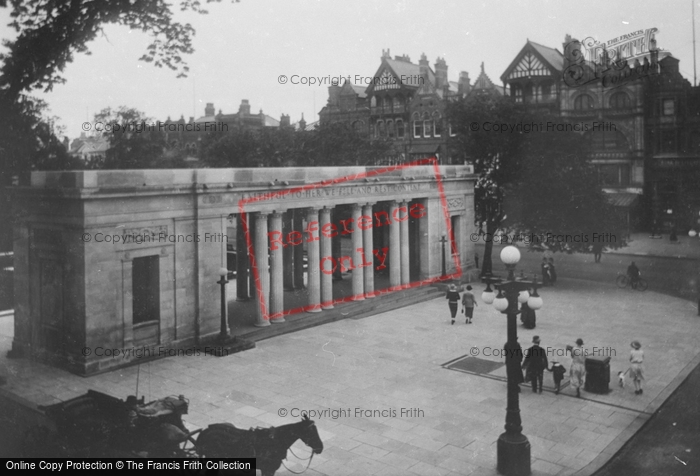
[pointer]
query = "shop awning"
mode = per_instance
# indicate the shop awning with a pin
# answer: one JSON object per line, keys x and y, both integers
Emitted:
{"x": 623, "y": 199}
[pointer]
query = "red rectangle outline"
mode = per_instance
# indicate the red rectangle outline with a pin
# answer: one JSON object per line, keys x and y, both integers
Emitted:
{"x": 281, "y": 193}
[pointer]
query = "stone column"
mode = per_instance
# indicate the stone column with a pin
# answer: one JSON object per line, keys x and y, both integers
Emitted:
{"x": 297, "y": 225}
{"x": 394, "y": 249}
{"x": 403, "y": 225}
{"x": 276, "y": 270}
{"x": 260, "y": 271}
{"x": 241, "y": 261}
{"x": 253, "y": 293}
{"x": 314, "y": 272}
{"x": 288, "y": 252}
{"x": 368, "y": 239}
{"x": 358, "y": 289}
{"x": 326, "y": 262}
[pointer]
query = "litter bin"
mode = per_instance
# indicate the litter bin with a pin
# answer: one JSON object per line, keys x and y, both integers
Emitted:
{"x": 597, "y": 375}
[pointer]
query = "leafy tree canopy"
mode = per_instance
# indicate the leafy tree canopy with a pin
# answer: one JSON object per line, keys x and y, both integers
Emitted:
{"x": 50, "y": 32}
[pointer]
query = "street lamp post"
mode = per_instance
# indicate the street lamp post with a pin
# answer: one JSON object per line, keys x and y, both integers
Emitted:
{"x": 443, "y": 240}
{"x": 223, "y": 335}
{"x": 513, "y": 448}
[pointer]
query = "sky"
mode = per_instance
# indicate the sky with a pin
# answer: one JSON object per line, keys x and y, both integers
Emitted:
{"x": 241, "y": 49}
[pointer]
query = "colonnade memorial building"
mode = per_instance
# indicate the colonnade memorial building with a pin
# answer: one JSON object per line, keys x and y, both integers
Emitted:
{"x": 131, "y": 259}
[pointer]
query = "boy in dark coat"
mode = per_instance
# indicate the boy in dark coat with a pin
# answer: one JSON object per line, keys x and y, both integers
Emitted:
{"x": 558, "y": 372}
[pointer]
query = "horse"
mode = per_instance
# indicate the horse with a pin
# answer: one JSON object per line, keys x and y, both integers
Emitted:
{"x": 268, "y": 445}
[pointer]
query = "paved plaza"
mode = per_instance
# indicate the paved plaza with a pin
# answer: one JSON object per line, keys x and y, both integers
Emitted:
{"x": 393, "y": 361}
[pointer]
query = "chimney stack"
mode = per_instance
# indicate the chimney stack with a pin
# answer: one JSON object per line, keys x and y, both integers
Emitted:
{"x": 209, "y": 110}
{"x": 386, "y": 54}
{"x": 334, "y": 94}
{"x": 440, "y": 73}
{"x": 284, "y": 120}
{"x": 424, "y": 67}
{"x": 463, "y": 84}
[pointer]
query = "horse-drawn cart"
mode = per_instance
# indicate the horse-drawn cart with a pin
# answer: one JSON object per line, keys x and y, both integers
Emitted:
{"x": 98, "y": 425}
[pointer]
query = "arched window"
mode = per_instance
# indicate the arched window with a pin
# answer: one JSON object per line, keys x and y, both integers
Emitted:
{"x": 437, "y": 124}
{"x": 399, "y": 128}
{"x": 427, "y": 125}
{"x": 390, "y": 128}
{"x": 608, "y": 141}
{"x": 417, "y": 125}
{"x": 620, "y": 100}
{"x": 584, "y": 102}
{"x": 373, "y": 101}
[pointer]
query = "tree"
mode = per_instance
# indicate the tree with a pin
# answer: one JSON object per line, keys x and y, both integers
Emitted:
{"x": 133, "y": 141}
{"x": 560, "y": 198}
{"x": 337, "y": 144}
{"x": 493, "y": 154}
{"x": 50, "y": 32}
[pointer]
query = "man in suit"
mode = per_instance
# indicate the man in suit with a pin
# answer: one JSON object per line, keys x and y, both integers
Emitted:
{"x": 536, "y": 362}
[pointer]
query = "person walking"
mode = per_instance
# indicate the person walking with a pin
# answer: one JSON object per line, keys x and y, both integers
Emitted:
{"x": 597, "y": 251}
{"x": 558, "y": 372}
{"x": 535, "y": 362}
{"x": 476, "y": 260}
{"x": 552, "y": 272}
{"x": 637, "y": 369}
{"x": 578, "y": 366}
{"x": 545, "y": 272}
{"x": 468, "y": 303}
{"x": 452, "y": 297}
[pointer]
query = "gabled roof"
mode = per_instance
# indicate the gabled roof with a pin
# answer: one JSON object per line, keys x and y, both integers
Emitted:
{"x": 538, "y": 57}
{"x": 551, "y": 55}
{"x": 406, "y": 69}
{"x": 484, "y": 82}
{"x": 348, "y": 87}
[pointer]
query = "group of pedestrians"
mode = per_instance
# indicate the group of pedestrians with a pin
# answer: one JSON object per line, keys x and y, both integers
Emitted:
{"x": 536, "y": 362}
{"x": 468, "y": 303}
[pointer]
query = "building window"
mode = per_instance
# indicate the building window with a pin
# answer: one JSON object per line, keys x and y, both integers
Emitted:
{"x": 451, "y": 130}
{"x": 437, "y": 125}
{"x": 381, "y": 130}
{"x": 427, "y": 125}
{"x": 145, "y": 289}
{"x": 417, "y": 125}
{"x": 547, "y": 92}
{"x": 608, "y": 141}
{"x": 538, "y": 93}
{"x": 373, "y": 102}
{"x": 613, "y": 174}
{"x": 668, "y": 107}
{"x": 390, "y": 128}
{"x": 619, "y": 100}
{"x": 397, "y": 103}
{"x": 518, "y": 93}
{"x": 399, "y": 128}
{"x": 584, "y": 102}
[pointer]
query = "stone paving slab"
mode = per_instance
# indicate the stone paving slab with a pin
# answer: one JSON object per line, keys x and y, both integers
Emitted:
{"x": 391, "y": 409}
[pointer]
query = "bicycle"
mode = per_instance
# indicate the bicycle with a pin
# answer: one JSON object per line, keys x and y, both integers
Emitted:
{"x": 623, "y": 280}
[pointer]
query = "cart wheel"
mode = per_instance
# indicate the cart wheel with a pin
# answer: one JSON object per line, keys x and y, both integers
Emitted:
{"x": 621, "y": 281}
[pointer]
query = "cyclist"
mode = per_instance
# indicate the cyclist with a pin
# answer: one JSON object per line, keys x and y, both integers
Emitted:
{"x": 633, "y": 273}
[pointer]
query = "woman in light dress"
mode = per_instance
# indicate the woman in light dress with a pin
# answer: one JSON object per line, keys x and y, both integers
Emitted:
{"x": 636, "y": 368}
{"x": 578, "y": 366}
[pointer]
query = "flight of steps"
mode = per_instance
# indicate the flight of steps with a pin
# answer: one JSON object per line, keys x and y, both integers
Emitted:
{"x": 349, "y": 310}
